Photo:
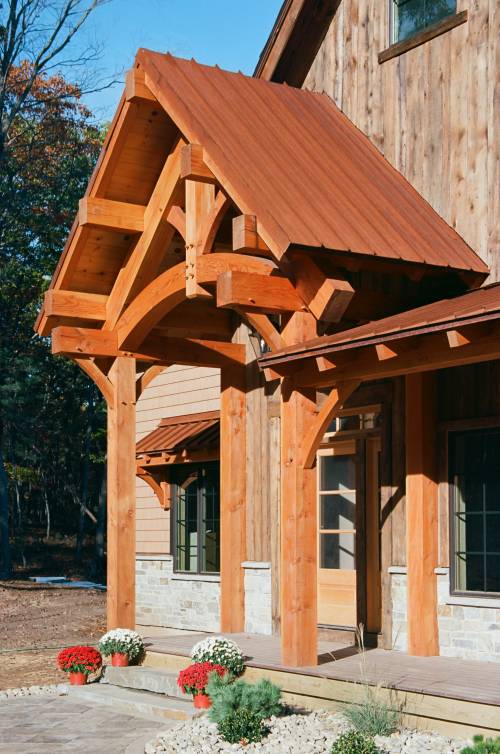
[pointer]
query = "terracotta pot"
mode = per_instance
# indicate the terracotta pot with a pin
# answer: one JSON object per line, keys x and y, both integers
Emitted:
{"x": 77, "y": 679}
{"x": 119, "y": 660}
{"x": 202, "y": 701}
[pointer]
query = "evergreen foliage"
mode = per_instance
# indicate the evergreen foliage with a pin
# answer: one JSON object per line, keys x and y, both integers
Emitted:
{"x": 242, "y": 726}
{"x": 228, "y": 696}
{"x": 354, "y": 743}
{"x": 483, "y": 746}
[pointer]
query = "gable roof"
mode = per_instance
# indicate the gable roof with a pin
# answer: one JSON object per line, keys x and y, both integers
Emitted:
{"x": 293, "y": 159}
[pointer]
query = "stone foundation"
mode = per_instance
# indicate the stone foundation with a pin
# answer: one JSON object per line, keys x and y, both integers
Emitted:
{"x": 258, "y": 611}
{"x": 164, "y": 598}
{"x": 469, "y": 628}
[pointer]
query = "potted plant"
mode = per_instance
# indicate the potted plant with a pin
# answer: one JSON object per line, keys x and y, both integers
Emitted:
{"x": 123, "y": 645}
{"x": 193, "y": 680}
{"x": 79, "y": 662}
{"x": 220, "y": 651}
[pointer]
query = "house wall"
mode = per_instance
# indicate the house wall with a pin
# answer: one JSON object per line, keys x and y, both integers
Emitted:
{"x": 434, "y": 111}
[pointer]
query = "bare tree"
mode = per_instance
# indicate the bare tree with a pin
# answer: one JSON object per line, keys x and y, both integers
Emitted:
{"x": 37, "y": 34}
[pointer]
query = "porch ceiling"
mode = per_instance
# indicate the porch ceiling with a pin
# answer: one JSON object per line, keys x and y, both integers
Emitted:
{"x": 451, "y": 332}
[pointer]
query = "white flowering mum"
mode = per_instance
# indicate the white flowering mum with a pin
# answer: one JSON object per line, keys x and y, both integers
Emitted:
{"x": 220, "y": 651}
{"x": 122, "y": 640}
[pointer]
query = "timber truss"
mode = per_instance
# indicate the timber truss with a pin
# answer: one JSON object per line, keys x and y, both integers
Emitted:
{"x": 163, "y": 261}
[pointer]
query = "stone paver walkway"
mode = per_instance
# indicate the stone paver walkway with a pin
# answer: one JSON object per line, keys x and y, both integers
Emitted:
{"x": 49, "y": 725}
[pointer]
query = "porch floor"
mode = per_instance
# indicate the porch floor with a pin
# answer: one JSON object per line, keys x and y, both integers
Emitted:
{"x": 452, "y": 678}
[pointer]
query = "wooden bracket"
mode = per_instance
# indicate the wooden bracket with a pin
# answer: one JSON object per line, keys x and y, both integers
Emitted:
{"x": 334, "y": 402}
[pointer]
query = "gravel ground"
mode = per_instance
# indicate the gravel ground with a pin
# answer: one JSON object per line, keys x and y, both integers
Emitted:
{"x": 312, "y": 733}
{"x": 59, "y": 689}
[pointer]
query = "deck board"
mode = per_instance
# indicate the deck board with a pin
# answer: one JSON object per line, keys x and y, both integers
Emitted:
{"x": 452, "y": 678}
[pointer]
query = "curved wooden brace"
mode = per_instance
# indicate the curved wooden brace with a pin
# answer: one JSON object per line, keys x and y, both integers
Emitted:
{"x": 159, "y": 488}
{"x": 147, "y": 378}
{"x": 334, "y": 402}
{"x": 177, "y": 218}
{"x": 168, "y": 290}
{"x": 263, "y": 325}
{"x": 99, "y": 378}
{"x": 213, "y": 221}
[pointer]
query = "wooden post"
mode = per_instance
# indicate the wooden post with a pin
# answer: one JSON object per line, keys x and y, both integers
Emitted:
{"x": 121, "y": 494}
{"x": 421, "y": 513}
{"x": 232, "y": 498}
{"x": 299, "y": 533}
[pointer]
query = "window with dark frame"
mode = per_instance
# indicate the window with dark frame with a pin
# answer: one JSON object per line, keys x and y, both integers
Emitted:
{"x": 474, "y": 484}
{"x": 196, "y": 518}
{"x": 408, "y": 17}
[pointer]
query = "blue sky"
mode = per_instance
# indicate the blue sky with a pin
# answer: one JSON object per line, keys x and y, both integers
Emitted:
{"x": 230, "y": 33}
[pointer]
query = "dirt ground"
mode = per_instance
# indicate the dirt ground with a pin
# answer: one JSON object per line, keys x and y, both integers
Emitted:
{"x": 36, "y": 621}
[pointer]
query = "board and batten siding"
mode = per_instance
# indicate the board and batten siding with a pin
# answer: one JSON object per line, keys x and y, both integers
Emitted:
{"x": 434, "y": 111}
{"x": 176, "y": 391}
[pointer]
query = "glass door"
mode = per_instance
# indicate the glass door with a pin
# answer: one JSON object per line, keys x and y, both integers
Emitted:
{"x": 337, "y": 604}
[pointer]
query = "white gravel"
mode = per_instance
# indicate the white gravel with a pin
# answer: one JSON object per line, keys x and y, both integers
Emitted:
{"x": 59, "y": 689}
{"x": 311, "y": 733}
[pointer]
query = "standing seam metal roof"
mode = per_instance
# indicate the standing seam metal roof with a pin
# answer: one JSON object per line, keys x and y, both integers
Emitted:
{"x": 294, "y": 160}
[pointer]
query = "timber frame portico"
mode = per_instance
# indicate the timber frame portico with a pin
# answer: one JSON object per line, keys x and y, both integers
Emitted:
{"x": 193, "y": 223}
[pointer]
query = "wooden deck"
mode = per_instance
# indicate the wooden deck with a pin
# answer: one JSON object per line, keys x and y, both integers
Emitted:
{"x": 446, "y": 694}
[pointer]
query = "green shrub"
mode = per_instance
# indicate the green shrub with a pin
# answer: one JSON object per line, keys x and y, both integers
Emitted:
{"x": 354, "y": 743}
{"x": 483, "y": 746}
{"x": 242, "y": 726}
{"x": 228, "y": 696}
{"x": 371, "y": 716}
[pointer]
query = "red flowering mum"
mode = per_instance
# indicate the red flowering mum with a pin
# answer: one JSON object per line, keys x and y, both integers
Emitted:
{"x": 79, "y": 660}
{"x": 194, "y": 678}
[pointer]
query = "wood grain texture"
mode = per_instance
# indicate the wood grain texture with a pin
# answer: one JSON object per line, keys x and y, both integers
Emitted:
{"x": 232, "y": 499}
{"x": 121, "y": 496}
{"x": 433, "y": 111}
{"x": 421, "y": 514}
{"x": 298, "y": 574}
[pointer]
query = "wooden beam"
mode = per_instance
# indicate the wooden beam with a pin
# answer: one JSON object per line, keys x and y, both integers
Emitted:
{"x": 299, "y": 533}
{"x": 232, "y": 500}
{"x": 142, "y": 264}
{"x": 257, "y": 293}
{"x": 456, "y": 338}
{"x": 104, "y": 213}
{"x": 79, "y": 341}
{"x": 263, "y": 325}
{"x": 385, "y": 352}
{"x": 200, "y": 198}
{"x": 421, "y": 514}
{"x": 121, "y": 496}
{"x": 193, "y": 166}
{"x": 75, "y": 305}
{"x": 417, "y": 354}
{"x": 327, "y": 298}
{"x": 136, "y": 88}
{"x": 246, "y": 238}
{"x": 334, "y": 403}
{"x": 170, "y": 459}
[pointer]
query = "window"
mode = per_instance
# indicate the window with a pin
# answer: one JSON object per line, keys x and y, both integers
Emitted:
{"x": 196, "y": 514}
{"x": 474, "y": 479}
{"x": 412, "y": 16}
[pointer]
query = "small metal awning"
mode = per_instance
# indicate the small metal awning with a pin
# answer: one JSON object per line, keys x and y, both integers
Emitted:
{"x": 181, "y": 435}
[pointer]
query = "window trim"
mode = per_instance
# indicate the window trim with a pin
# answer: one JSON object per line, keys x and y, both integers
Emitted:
{"x": 461, "y": 593}
{"x": 430, "y": 32}
{"x": 178, "y": 573}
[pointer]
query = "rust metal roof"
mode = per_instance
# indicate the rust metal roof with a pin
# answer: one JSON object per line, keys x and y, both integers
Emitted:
{"x": 294, "y": 160}
{"x": 473, "y": 307}
{"x": 191, "y": 432}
